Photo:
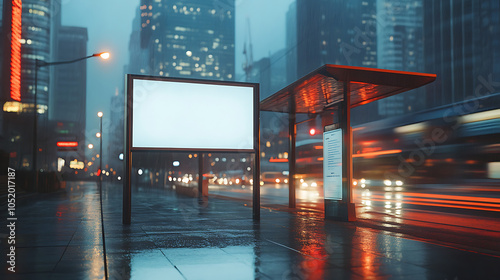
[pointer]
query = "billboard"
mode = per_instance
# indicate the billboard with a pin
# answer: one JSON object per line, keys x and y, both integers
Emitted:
{"x": 180, "y": 114}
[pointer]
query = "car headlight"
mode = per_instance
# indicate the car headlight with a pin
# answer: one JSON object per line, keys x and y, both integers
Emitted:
{"x": 387, "y": 182}
{"x": 399, "y": 183}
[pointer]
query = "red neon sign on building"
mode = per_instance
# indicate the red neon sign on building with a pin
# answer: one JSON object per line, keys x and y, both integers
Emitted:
{"x": 15, "y": 50}
{"x": 67, "y": 144}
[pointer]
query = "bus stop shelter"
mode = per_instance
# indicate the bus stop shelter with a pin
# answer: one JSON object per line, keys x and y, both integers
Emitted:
{"x": 338, "y": 89}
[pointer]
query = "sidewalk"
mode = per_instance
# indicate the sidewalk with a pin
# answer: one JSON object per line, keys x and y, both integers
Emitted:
{"x": 175, "y": 237}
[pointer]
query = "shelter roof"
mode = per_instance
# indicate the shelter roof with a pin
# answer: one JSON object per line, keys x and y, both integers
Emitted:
{"x": 324, "y": 88}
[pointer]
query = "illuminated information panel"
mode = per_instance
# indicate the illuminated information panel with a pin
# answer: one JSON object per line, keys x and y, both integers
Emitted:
{"x": 332, "y": 164}
{"x": 187, "y": 115}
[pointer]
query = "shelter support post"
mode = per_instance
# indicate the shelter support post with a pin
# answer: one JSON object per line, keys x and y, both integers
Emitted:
{"x": 344, "y": 210}
{"x": 292, "y": 155}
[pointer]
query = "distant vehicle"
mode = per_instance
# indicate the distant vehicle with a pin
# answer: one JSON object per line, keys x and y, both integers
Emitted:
{"x": 232, "y": 177}
{"x": 274, "y": 177}
{"x": 366, "y": 183}
{"x": 310, "y": 182}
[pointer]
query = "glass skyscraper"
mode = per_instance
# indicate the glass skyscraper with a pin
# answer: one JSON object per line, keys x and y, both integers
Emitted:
{"x": 400, "y": 47}
{"x": 191, "y": 39}
{"x": 335, "y": 32}
{"x": 462, "y": 46}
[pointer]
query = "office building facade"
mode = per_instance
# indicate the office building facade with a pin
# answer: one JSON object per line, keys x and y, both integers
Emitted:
{"x": 335, "y": 32}
{"x": 191, "y": 39}
{"x": 462, "y": 46}
{"x": 400, "y": 47}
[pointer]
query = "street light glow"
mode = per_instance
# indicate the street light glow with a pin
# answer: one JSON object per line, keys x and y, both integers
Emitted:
{"x": 91, "y": 146}
{"x": 99, "y": 114}
{"x": 98, "y": 135}
{"x": 103, "y": 55}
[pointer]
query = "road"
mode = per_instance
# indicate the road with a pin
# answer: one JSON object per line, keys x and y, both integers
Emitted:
{"x": 463, "y": 208}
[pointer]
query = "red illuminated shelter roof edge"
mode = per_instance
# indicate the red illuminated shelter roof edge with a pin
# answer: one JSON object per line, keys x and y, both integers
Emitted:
{"x": 324, "y": 87}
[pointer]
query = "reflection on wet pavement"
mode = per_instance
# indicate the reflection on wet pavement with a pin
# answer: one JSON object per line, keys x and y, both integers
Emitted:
{"x": 177, "y": 237}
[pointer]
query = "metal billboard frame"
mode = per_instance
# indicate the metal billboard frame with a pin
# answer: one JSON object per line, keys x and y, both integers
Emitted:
{"x": 127, "y": 183}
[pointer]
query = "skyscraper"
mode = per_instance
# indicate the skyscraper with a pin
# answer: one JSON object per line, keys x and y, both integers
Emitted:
{"x": 68, "y": 97}
{"x": 336, "y": 32}
{"x": 36, "y": 44}
{"x": 192, "y": 38}
{"x": 400, "y": 47}
{"x": 68, "y": 100}
{"x": 139, "y": 62}
{"x": 462, "y": 46}
{"x": 28, "y": 24}
{"x": 60, "y": 89}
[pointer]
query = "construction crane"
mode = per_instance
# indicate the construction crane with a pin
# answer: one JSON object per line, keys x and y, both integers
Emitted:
{"x": 247, "y": 66}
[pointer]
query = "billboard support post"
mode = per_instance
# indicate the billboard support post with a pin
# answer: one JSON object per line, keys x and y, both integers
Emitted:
{"x": 127, "y": 183}
{"x": 291, "y": 158}
{"x": 201, "y": 186}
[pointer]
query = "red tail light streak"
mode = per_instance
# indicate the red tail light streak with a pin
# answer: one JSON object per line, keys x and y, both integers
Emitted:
{"x": 450, "y": 201}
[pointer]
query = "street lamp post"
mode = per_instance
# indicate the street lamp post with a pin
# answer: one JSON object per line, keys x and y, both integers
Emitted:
{"x": 100, "y": 114}
{"x": 39, "y": 64}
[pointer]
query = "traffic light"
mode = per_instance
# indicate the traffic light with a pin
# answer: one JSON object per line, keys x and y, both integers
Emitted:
{"x": 312, "y": 124}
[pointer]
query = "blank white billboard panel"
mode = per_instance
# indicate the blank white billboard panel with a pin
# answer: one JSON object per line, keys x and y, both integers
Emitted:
{"x": 187, "y": 115}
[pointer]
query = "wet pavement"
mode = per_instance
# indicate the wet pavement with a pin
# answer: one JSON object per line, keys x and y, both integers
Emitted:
{"x": 59, "y": 236}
